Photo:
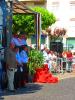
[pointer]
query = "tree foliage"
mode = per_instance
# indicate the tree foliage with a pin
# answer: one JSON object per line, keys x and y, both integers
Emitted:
{"x": 36, "y": 60}
{"x": 47, "y": 18}
{"x": 23, "y": 23}
{"x": 26, "y": 23}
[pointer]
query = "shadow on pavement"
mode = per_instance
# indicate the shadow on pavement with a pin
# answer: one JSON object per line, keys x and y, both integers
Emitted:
{"x": 29, "y": 88}
{"x": 1, "y": 98}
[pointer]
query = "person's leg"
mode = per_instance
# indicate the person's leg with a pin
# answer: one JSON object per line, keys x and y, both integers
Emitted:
{"x": 0, "y": 73}
{"x": 50, "y": 66}
{"x": 1, "y": 86}
{"x": 16, "y": 80}
{"x": 19, "y": 77}
{"x": 26, "y": 72}
{"x": 10, "y": 75}
{"x": 22, "y": 79}
{"x": 55, "y": 66}
{"x": 69, "y": 66}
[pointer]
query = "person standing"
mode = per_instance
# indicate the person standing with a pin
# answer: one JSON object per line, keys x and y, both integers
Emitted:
{"x": 18, "y": 77}
{"x": 24, "y": 60}
{"x": 73, "y": 63}
{"x": 69, "y": 61}
{"x": 53, "y": 61}
{"x": 11, "y": 66}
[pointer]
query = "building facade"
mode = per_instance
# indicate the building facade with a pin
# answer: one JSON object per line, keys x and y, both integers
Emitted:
{"x": 65, "y": 14}
{"x": 64, "y": 10}
{"x": 33, "y": 3}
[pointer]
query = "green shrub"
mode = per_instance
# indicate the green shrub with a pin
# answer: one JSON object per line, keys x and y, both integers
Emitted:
{"x": 36, "y": 60}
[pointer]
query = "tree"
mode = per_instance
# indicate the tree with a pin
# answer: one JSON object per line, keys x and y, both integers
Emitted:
{"x": 23, "y": 23}
{"x": 47, "y": 18}
{"x": 26, "y": 23}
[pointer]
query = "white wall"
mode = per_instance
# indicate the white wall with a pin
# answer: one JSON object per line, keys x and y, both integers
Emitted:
{"x": 63, "y": 12}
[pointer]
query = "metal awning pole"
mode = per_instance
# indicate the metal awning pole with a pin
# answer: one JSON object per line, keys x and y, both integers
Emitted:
{"x": 38, "y": 31}
{"x": 9, "y": 21}
{"x": 3, "y": 7}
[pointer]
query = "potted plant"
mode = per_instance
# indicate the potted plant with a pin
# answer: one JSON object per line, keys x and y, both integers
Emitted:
{"x": 36, "y": 60}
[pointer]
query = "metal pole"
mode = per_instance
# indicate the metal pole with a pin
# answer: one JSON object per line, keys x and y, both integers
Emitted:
{"x": 38, "y": 31}
{"x": 9, "y": 22}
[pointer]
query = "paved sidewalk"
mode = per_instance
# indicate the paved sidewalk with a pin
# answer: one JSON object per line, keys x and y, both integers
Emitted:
{"x": 63, "y": 90}
{"x": 65, "y": 75}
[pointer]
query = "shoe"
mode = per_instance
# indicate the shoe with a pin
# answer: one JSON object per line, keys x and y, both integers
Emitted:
{"x": 12, "y": 91}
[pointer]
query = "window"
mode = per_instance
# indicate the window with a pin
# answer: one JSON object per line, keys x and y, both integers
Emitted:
{"x": 42, "y": 39}
{"x": 72, "y": 5}
{"x": 72, "y": 19}
{"x": 55, "y": 5}
{"x": 72, "y": 23}
{"x": 71, "y": 43}
{"x": 33, "y": 39}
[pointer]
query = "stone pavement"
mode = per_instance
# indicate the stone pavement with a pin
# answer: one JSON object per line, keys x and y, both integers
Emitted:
{"x": 65, "y": 75}
{"x": 63, "y": 90}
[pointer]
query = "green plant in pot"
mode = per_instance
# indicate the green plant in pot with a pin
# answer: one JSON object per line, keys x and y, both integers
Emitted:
{"x": 36, "y": 60}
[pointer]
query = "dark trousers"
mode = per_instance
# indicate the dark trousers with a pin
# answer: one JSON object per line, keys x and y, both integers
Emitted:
{"x": 19, "y": 79}
{"x": 25, "y": 72}
{"x": 3, "y": 75}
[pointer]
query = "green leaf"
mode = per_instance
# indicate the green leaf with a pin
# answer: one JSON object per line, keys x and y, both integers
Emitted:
{"x": 36, "y": 60}
{"x": 26, "y": 23}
